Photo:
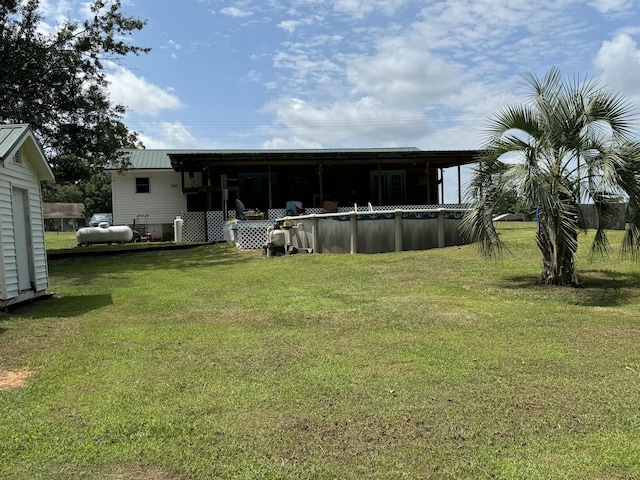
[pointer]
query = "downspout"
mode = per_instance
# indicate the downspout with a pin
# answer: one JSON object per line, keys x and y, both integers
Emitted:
{"x": 183, "y": 199}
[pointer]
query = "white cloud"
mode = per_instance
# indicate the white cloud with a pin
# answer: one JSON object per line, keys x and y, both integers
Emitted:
{"x": 306, "y": 67}
{"x": 54, "y": 14}
{"x": 290, "y": 143}
{"x": 349, "y": 124}
{"x": 611, "y": 6}
{"x": 172, "y": 47}
{"x": 360, "y": 8}
{"x": 289, "y": 25}
{"x": 354, "y": 8}
{"x": 57, "y": 10}
{"x": 403, "y": 73}
{"x": 169, "y": 135}
{"x": 235, "y": 12}
{"x": 138, "y": 95}
{"x": 619, "y": 61}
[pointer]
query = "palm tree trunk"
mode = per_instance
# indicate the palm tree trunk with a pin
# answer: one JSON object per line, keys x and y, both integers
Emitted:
{"x": 558, "y": 266}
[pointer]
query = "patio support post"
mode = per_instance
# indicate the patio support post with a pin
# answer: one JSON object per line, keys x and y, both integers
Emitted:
{"x": 441, "y": 186}
{"x": 224, "y": 193}
{"x": 314, "y": 235}
{"x": 428, "y": 183}
{"x": 397, "y": 224}
{"x": 320, "y": 184}
{"x": 270, "y": 186}
{"x": 353, "y": 223}
{"x": 441, "y": 233}
{"x": 459, "y": 187}
{"x": 379, "y": 185}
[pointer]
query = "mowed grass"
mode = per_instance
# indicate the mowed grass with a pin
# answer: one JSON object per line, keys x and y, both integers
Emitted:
{"x": 57, "y": 241}
{"x": 215, "y": 363}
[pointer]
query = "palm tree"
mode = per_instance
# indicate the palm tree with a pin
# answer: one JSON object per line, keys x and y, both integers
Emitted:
{"x": 570, "y": 143}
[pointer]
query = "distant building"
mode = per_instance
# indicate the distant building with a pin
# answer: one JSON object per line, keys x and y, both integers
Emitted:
{"x": 63, "y": 217}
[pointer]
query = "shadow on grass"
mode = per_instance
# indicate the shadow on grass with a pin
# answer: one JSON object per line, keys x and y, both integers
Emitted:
{"x": 604, "y": 288}
{"x": 84, "y": 269}
{"x": 600, "y": 288}
{"x": 65, "y": 307}
{"x": 2, "y": 330}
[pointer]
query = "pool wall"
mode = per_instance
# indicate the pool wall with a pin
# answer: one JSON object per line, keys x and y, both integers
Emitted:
{"x": 375, "y": 232}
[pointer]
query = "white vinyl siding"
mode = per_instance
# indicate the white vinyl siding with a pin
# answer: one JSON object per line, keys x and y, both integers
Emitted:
{"x": 162, "y": 204}
{"x": 23, "y": 176}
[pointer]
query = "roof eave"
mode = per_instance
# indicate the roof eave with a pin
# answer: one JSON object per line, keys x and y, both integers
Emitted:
{"x": 441, "y": 158}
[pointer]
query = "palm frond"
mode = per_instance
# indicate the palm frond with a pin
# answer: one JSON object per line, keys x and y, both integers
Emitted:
{"x": 477, "y": 227}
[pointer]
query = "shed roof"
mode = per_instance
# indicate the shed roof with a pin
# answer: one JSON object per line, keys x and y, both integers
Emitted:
{"x": 142, "y": 159}
{"x": 12, "y": 137}
{"x": 63, "y": 210}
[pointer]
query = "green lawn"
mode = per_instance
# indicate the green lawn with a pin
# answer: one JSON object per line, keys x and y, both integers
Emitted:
{"x": 60, "y": 240}
{"x": 215, "y": 363}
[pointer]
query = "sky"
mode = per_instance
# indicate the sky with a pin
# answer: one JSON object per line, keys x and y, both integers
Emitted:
{"x": 247, "y": 74}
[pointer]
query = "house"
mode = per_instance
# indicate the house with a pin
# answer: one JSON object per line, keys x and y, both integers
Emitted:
{"x": 202, "y": 186}
{"x": 23, "y": 258}
{"x": 63, "y": 217}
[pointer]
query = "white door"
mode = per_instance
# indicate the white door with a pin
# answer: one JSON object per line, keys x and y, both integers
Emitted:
{"x": 22, "y": 237}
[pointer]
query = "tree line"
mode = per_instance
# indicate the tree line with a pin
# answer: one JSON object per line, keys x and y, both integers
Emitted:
{"x": 56, "y": 82}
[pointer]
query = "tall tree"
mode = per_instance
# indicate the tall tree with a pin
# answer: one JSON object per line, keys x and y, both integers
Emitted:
{"x": 57, "y": 83}
{"x": 571, "y": 143}
{"x": 97, "y": 194}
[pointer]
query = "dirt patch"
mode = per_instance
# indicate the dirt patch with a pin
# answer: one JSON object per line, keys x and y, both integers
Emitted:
{"x": 10, "y": 379}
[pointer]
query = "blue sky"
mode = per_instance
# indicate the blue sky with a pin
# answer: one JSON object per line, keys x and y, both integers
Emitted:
{"x": 354, "y": 73}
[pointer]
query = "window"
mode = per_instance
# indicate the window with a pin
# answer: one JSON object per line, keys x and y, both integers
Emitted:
{"x": 254, "y": 189}
{"x": 389, "y": 188}
{"x": 142, "y": 185}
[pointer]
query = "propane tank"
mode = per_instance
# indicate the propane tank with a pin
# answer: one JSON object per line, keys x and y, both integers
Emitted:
{"x": 177, "y": 229}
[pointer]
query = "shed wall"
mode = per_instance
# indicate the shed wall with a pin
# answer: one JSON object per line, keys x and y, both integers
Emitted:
{"x": 21, "y": 175}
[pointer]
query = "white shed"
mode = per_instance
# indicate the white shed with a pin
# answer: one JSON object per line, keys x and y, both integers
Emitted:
{"x": 23, "y": 258}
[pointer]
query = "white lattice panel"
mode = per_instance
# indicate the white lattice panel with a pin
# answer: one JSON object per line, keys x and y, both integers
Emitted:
{"x": 252, "y": 234}
{"x": 194, "y": 227}
{"x": 275, "y": 213}
{"x": 215, "y": 226}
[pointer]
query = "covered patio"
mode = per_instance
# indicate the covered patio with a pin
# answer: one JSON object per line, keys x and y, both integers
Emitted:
{"x": 267, "y": 179}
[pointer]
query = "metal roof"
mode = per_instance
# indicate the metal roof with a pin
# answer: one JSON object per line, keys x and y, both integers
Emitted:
{"x": 142, "y": 159}
{"x": 149, "y": 159}
{"x": 10, "y": 137}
